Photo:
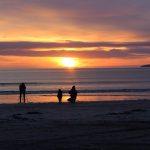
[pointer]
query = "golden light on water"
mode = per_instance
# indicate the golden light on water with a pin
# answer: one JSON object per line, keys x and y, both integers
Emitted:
{"x": 69, "y": 62}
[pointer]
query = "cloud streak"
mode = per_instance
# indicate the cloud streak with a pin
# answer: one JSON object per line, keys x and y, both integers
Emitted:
{"x": 69, "y": 44}
{"x": 133, "y": 49}
{"x": 102, "y": 54}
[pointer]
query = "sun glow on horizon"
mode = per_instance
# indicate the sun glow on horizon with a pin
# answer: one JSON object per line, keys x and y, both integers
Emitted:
{"x": 69, "y": 62}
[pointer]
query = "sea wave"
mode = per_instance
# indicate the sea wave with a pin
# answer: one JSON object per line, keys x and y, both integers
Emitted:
{"x": 72, "y": 82}
{"x": 80, "y": 91}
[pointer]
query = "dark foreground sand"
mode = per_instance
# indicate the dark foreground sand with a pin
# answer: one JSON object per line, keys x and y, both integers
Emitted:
{"x": 89, "y": 125}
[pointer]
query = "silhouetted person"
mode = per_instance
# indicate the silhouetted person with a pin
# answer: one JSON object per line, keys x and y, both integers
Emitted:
{"x": 73, "y": 95}
{"x": 60, "y": 95}
{"x": 22, "y": 89}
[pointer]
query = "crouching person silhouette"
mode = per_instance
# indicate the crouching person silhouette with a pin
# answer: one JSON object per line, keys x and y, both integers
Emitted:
{"x": 22, "y": 90}
{"x": 73, "y": 95}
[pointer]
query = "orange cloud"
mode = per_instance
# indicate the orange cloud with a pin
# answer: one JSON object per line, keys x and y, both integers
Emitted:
{"x": 47, "y": 22}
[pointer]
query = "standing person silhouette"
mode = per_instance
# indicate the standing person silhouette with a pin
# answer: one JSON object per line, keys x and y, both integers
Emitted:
{"x": 22, "y": 89}
{"x": 60, "y": 95}
{"x": 73, "y": 94}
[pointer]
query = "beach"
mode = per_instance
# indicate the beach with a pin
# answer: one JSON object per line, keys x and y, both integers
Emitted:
{"x": 85, "y": 125}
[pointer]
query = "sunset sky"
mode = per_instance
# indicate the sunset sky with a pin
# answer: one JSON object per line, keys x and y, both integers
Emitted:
{"x": 95, "y": 33}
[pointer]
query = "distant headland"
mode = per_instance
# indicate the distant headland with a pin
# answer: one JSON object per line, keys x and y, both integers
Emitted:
{"x": 148, "y": 65}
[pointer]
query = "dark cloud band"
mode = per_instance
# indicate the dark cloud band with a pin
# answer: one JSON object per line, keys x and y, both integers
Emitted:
{"x": 134, "y": 49}
{"x": 69, "y": 44}
{"x": 114, "y": 53}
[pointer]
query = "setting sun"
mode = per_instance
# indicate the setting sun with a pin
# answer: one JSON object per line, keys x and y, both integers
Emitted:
{"x": 69, "y": 62}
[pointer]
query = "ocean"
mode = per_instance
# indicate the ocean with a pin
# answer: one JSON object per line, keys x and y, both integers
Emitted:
{"x": 103, "y": 84}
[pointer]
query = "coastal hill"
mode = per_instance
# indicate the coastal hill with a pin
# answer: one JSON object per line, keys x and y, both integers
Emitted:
{"x": 148, "y": 65}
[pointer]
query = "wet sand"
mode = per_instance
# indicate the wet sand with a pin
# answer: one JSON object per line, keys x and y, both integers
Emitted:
{"x": 118, "y": 125}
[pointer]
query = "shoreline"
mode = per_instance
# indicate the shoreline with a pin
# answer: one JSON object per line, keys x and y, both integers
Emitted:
{"x": 77, "y": 102}
{"x": 14, "y": 99}
{"x": 100, "y": 101}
